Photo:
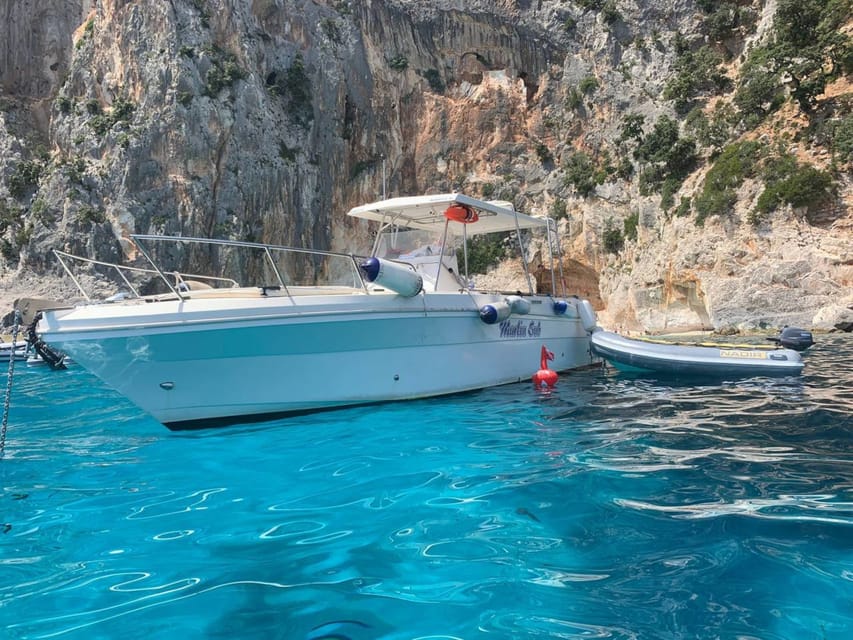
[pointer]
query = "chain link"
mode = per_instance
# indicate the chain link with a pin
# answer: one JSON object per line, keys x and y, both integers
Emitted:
{"x": 9, "y": 385}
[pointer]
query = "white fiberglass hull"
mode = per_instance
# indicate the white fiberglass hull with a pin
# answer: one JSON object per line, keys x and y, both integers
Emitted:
{"x": 202, "y": 362}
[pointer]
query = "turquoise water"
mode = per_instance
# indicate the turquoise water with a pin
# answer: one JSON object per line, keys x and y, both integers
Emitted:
{"x": 615, "y": 507}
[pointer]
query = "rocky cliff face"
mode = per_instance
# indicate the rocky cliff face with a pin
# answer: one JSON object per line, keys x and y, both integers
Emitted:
{"x": 267, "y": 119}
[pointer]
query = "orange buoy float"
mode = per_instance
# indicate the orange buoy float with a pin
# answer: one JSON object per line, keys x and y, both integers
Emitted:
{"x": 545, "y": 376}
{"x": 461, "y": 213}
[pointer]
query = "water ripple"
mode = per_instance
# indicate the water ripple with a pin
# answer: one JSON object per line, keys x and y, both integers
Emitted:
{"x": 793, "y": 507}
{"x": 613, "y": 507}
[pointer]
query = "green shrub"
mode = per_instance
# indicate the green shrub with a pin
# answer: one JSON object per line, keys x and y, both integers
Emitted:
{"x": 399, "y": 63}
{"x": 727, "y": 20}
{"x": 11, "y": 216}
{"x": 64, "y": 104}
{"x": 224, "y": 72}
{"x": 25, "y": 177}
{"x": 650, "y": 180}
{"x": 580, "y": 173}
{"x": 204, "y": 15}
{"x": 612, "y": 239}
{"x": 789, "y": 182}
{"x": 41, "y": 153}
{"x": 809, "y": 48}
{"x": 736, "y": 163}
{"x": 657, "y": 145}
{"x": 631, "y": 223}
{"x": 711, "y": 132}
{"x": 23, "y": 234}
{"x": 294, "y": 85}
{"x": 665, "y": 156}
{"x": 88, "y": 30}
{"x": 683, "y": 208}
{"x": 90, "y": 215}
{"x": 755, "y": 217}
{"x": 680, "y": 44}
{"x": 609, "y": 12}
{"x": 625, "y": 169}
{"x": 288, "y": 154}
{"x": 574, "y": 99}
{"x": 121, "y": 111}
{"x": 714, "y": 203}
{"x": 433, "y": 78}
{"x": 668, "y": 189}
{"x": 759, "y": 90}
{"x": 331, "y": 30}
{"x": 41, "y": 212}
{"x": 484, "y": 252}
{"x": 632, "y": 127}
{"x": 101, "y": 124}
{"x": 543, "y": 152}
{"x": 558, "y": 210}
{"x": 74, "y": 168}
{"x": 842, "y": 138}
{"x": 696, "y": 73}
{"x": 588, "y": 85}
{"x": 487, "y": 189}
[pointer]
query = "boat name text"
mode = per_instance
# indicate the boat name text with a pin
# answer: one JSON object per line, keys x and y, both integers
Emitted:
{"x": 521, "y": 329}
{"x": 739, "y": 353}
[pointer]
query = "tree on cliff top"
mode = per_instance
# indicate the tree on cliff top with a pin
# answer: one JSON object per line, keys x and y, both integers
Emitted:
{"x": 808, "y": 50}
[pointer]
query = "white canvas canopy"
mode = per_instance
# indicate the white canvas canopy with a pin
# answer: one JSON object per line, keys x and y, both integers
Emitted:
{"x": 427, "y": 212}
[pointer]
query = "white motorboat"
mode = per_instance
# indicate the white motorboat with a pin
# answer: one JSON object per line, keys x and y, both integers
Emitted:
{"x": 284, "y": 330}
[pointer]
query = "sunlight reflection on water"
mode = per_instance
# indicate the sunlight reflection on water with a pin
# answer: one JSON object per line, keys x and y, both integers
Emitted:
{"x": 613, "y": 507}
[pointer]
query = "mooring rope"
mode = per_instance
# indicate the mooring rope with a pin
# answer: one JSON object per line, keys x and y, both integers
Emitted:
{"x": 6, "y": 402}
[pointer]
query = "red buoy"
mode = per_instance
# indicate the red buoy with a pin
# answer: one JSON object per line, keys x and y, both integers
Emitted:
{"x": 461, "y": 213}
{"x": 545, "y": 376}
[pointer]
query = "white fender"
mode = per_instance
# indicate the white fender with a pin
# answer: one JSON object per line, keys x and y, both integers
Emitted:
{"x": 518, "y": 305}
{"x": 400, "y": 278}
{"x": 587, "y": 316}
{"x": 495, "y": 312}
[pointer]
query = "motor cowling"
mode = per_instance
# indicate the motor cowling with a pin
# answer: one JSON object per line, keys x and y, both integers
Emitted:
{"x": 794, "y": 338}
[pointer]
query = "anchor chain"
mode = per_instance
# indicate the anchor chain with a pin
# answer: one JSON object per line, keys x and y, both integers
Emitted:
{"x": 54, "y": 359}
{"x": 8, "y": 398}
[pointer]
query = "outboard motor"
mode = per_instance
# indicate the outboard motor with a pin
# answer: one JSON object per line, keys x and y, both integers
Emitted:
{"x": 793, "y": 338}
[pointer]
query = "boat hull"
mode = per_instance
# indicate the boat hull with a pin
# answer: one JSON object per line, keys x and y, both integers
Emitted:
{"x": 724, "y": 360}
{"x": 193, "y": 363}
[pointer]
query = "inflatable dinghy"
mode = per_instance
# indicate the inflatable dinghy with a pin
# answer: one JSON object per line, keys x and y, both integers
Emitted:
{"x": 705, "y": 359}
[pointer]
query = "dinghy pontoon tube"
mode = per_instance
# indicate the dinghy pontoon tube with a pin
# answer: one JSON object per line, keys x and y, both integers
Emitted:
{"x": 641, "y": 355}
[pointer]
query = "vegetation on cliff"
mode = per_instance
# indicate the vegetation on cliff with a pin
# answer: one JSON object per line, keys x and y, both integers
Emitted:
{"x": 648, "y": 129}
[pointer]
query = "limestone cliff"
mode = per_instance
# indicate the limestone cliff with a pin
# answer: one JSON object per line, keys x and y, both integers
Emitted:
{"x": 267, "y": 119}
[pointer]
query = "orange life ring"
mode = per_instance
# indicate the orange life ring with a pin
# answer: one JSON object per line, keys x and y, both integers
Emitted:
{"x": 461, "y": 213}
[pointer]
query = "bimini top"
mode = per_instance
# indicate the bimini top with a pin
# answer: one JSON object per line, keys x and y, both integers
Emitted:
{"x": 427, "y": 212}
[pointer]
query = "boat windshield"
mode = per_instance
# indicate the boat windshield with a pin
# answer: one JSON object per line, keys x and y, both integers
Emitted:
{"x": 406, "y": 244}
{"x": 433, "y": 255}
